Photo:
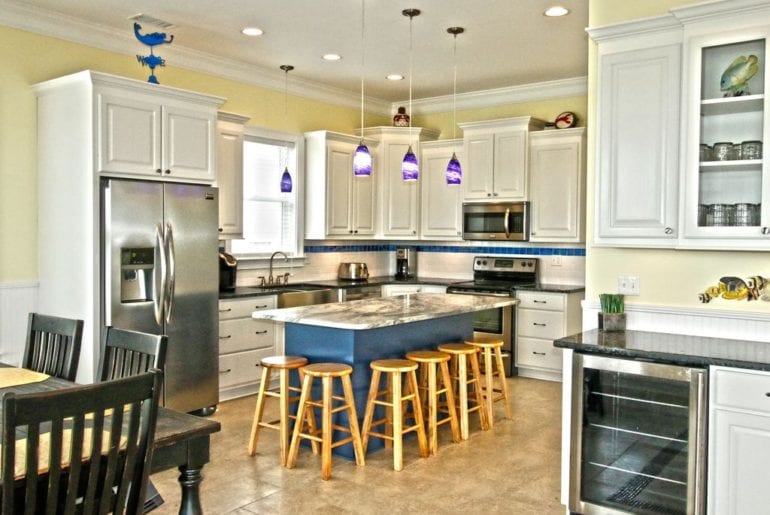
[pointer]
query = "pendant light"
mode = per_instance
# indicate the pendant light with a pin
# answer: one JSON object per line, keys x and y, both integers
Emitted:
{"x": 286, "y": 182}
{"x": 454, "y": 172}
{"x": 362, "y": 159}
{"x": 410, "y": 170}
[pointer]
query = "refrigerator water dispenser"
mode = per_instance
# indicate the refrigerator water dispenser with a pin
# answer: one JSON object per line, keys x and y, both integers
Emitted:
{"x": 137, "y": 267}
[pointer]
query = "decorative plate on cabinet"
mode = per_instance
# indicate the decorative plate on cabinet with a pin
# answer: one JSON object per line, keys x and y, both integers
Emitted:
{"x": 565, "y": 120}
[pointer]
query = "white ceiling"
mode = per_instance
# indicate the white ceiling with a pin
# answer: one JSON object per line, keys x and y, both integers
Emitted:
{"x": 506, "y": 42}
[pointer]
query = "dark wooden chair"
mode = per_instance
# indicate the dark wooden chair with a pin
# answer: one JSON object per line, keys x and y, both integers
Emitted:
{"x": 60, "y": 428}
{"x": 53, "y": 345}
{"x": 126, "y": 353}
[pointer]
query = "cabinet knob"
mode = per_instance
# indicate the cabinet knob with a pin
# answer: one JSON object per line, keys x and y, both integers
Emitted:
{"x": 225, "y": 310}
{"x": 532, "y": 233}
{"x": 356, "y": 231}
{"x": 540, "y": 301}
{"x": 541, "y": 325}
{"x": 261, "y": 332}
{"x": 226, "y": 337}
{"x": 158, "y": 170}
{"x": 221, "y": 230}
{"x": 263, "y": 306}
{"x": 494, "y": 194}
{"x": 168, "y": 171}
{"x": 225, "y": 371}
{"x": 350, "y": 231}
{"x": 489, "y": 194}
{"x": 538, "y": 353}
{"x": 765, "y": 230}
{"x": 668, "y": 230}
{"x": 414, "y": 232}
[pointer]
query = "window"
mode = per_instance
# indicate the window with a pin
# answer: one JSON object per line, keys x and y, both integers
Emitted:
{"x": 271, "y": 219}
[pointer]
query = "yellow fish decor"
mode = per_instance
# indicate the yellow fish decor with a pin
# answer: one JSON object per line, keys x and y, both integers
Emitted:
{"x": 734, "y": 288}
{"x": 735, "y": 79}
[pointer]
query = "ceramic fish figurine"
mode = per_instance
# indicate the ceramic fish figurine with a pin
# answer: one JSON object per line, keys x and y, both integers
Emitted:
{"x": 736, "y": 77}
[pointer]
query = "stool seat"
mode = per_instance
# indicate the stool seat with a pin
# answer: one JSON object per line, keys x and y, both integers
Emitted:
{"x": 492, "y": 352}
{"x": 428, "y": 356}
{"x": 491, "y": 343}
{"x": 393, "y": 365}
{"x": 457, "y": 348}
{"x": 327, "y": 369}
{"x": 283, "y": 361}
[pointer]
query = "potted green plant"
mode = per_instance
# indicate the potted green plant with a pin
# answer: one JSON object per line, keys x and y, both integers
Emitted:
{"x": 612, "y": 316}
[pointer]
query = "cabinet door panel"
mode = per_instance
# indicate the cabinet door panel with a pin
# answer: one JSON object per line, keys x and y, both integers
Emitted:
{"x": 510, "y": 175}
{"x": 441, "y": 208}
{"x": 477, "y": 180}
{"x": 639, "y": 140}
{"x": 129, "y": 135}
{"x": 363, "y": 204}
{"x": 399, "y": 197}
{"x": 230, "y": 181}
{"x": 338, "y": 202}
{"x": 188, "y": 143}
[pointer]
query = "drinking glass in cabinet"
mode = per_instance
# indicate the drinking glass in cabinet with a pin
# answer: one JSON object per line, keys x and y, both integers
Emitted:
{"x": 723, "y": 151}
{"x": 720, "y": 215}
{"x": 704, "y": 153}
{"x": 751, "y": 149}
{"x": 747, "y": 214}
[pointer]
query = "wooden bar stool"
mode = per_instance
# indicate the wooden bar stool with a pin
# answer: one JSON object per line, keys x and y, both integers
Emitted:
{"x": 429, "y": 362}
{"x": 284, "y": 365}
{"x": 492, "y": 352}
{"x": 394, "y": 400}
{"x": 326, "y": 372}
{"x": 465, "y": 379}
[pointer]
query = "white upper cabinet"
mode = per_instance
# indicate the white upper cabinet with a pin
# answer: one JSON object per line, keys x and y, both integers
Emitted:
{"x": 637, "y": 154}
{"x": 154, "y": 131}
{"x": 441, "y": 205}
{"x": 230, "y": 128}
{"x": 557, "y": 185}
{"x": 399, "y": 201}
{"x": 727, "y": 180}
{"x": 337, "y": 203}
{"x": 496, "y": 154}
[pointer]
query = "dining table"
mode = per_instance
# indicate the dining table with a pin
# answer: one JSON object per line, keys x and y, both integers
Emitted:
{"x": 181, "y": 440}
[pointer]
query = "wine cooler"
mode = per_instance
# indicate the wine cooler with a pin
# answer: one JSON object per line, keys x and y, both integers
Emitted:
{"x": 638, "y": 437}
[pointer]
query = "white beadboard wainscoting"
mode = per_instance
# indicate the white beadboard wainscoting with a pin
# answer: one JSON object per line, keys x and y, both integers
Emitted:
{"x": 735, "y": 325}
{"x": 17, "y": 300}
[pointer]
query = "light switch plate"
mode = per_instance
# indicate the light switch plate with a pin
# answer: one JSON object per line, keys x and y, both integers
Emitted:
{"x": 628, "y": 284}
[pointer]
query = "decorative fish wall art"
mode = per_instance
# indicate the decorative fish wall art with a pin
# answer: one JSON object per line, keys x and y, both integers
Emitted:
{"x": 735, "y": 79}
{"x": 735, "y": 288}
{"x": 151, "y": 40}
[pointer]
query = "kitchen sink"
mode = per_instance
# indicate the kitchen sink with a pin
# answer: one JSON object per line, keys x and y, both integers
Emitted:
{"x": 293, "y": 297}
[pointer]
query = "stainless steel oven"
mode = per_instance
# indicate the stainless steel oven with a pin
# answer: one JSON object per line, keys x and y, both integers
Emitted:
{"x": 496, "y": 221}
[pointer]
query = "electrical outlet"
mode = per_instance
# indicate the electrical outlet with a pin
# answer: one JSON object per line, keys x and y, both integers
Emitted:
{"x": 628, "y": 284}
{"x": 555, "y": 260}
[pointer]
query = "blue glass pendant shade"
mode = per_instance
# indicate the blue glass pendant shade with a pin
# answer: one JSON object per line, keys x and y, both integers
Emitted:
{"x": 362, "y": 161}
{"x": 286, "y": 181}
{"x": 454, "y": 172}
{"x": 409, "y": 169}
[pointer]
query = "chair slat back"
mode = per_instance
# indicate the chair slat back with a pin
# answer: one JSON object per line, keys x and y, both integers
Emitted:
{"x": 126, "y": 353}
{"x": 94, "y": 443}
{"x": 53, "y": 345}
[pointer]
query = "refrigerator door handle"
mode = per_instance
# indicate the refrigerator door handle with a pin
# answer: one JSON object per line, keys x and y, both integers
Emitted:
{"x": 159, "y": 295}
{"x": 171, "y": 256}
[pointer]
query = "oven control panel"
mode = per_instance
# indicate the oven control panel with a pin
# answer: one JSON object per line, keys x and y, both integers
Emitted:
{"x": 504, "y": 264}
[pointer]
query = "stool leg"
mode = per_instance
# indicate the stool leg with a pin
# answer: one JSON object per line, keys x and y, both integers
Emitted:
{"x": 477, "y": 391}
{"x": 291, "y": 460}
{"x": 432, "y": 408}
{"x": 258, "y": 411}
{"x": 462, "y": 382}
{"x": 503, "y": 383}
{"x": 310, "y": 419}
{"x": 416, "y": 402}
{"x": 489, "y": 391}
{"x": 283, "y": 380}
{"x": 388, "y": 429}
{"x": 374, "y": 386}
{"x": 358, "y": 447}
{"x": 326, "y": 429}
{"x": 450, "y": 400}
{"x": 397, "y": 420}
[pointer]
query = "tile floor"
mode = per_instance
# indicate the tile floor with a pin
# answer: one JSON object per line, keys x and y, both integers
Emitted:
{"x": 511, "y": 469}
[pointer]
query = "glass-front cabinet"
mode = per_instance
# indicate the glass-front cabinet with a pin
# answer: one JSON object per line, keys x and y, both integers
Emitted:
{"x": 727, "y": 178}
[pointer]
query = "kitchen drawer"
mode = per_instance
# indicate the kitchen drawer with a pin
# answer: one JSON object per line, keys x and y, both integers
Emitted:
{"x": 245, "y": 334}
{"x": 540, "y": 300}
{"x": 533, "y": 352}
{"x": 241, "y": 367}
{"x": 536, "y": 323}
{"x": 239, "y": 308}
{"x": 742, "y": 389}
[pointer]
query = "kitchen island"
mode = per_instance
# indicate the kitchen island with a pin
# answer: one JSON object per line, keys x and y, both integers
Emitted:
{"x": 360, "y": 331}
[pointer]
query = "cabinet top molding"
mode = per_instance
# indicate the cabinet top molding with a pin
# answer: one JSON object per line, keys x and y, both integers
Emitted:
{"x": 90, "y": 77}
{"x": 421, "y": 132}
{"x": 517, "y": 122}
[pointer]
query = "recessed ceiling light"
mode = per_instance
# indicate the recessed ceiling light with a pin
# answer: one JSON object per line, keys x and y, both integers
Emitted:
{"x": 395, "y": 76}
{"x": 556, "y": 10}
{"x": 252, "y": 31}
{"x": 332, "y": 57}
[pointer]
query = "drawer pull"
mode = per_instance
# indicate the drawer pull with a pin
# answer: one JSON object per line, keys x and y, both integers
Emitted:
{"x": 263, "y": 306}
{"x": 767, "y": 394}
{"x": 261, "y": 332}
{"x": 541, "y": 325}
{"x": 540, "y": 301}
{"x": 225, "y": 371}
{"x": 538, "y": 353}
{"x": 225, "y": 310}
{"x": 225, "y": 337}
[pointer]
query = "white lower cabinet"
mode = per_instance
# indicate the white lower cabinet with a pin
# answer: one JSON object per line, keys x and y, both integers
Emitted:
{"x": 541, "y": 318}
{"x": 243, "y": 342}
{"x": 739, "y": 441}
{"x": 391, "y": 290}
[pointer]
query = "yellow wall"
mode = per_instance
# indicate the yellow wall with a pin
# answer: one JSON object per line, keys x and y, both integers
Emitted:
{"x": 28, "y": 58}
{"x": 667, "y": 277}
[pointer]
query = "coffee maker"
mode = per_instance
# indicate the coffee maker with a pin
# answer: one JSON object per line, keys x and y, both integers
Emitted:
{"x": 406, "y": 263}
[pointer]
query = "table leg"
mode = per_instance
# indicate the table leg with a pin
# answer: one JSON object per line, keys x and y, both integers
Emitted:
{"x": 189, "y": 481}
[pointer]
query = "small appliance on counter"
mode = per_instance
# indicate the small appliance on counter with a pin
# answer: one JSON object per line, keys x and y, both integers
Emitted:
{"x": 353, "y": 272}
{"x": 406, "y": 263}
{"x": 228, "y": 268}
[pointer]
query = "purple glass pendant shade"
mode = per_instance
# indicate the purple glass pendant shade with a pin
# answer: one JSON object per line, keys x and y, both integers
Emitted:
{"x": 362, "y": 161}
{"x": 454, "y": 172}
{"x": 286, "y": 181}
{"x": 409, "y": 169}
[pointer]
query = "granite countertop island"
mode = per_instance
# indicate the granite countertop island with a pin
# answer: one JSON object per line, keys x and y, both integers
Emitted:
{"x": 384, "y": 311}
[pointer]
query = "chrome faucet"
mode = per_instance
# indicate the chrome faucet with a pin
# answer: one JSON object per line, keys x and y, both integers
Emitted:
{"x": 270, "y": 277}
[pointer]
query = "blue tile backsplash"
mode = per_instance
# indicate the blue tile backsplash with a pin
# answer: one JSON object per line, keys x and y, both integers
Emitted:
{"x": 479, "y": 249}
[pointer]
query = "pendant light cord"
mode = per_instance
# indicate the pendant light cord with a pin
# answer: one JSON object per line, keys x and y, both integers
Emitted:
{"x": 411, "y": 19}
{"x": 363, "y": 7}
{"x": 454, "y": 91}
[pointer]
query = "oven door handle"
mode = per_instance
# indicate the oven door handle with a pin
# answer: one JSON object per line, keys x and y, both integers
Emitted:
{"x": 505, "y": 223}
{"x": 478, "y": 293}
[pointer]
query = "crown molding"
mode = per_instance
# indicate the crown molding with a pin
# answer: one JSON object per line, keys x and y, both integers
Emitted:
{"x": 534, "y": 92}
{"x": 718, "y": 9}
{"x": 50, "y": 24}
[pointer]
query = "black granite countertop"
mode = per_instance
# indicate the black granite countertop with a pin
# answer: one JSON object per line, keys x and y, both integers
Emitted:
{"x": 553, "y": 288}
{"x": 678, "y": 349}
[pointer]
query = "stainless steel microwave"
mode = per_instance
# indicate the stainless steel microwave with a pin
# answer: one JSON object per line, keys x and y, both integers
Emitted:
{"x": 497, "y": 221}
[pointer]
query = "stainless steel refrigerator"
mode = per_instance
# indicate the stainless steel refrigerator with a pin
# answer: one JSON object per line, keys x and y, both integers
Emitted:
{"x": 159, "y": 275}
